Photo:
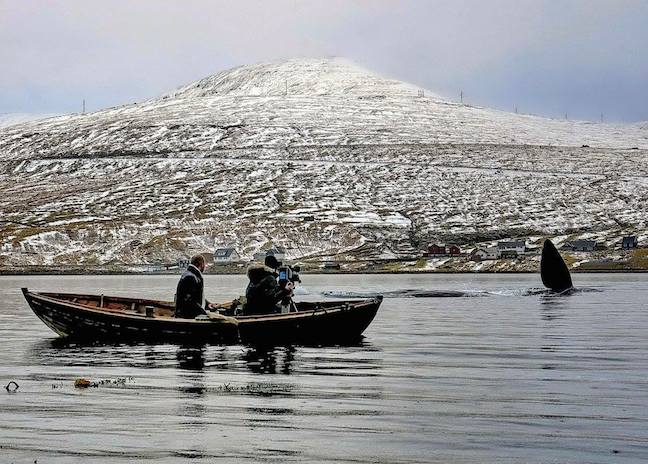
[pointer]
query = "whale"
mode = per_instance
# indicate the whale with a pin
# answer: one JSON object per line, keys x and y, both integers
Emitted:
{"x": 553, "y": 270}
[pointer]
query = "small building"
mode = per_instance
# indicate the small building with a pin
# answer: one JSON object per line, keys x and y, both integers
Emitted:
{"x": 581, "y": 245}
{"x": 183, "y": 263}
{"x": 629, "y": 242}
{"x": 278, "y": 252}
{"x": 436, "y": 250}
{"x": 309, "y": 218}
{"x": 483, "y": 254}
{"x": 331, "y": 265}
{"x": 454, "y": 250}
{"x": 226, "y": 255}
{"x": 506, "y": 248}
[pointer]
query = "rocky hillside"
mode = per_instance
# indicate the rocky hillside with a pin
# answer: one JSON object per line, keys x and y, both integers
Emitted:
{"x": 320, "y": 156}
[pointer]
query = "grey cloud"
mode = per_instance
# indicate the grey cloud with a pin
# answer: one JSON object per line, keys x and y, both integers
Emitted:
{"x": 501, "y": 53}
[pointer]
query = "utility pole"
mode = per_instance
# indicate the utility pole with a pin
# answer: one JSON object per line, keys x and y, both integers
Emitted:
{"x": 84, "y": 106}
{"x": 601, "y": 117}
{"x": 516, "y": 110}
{"x": 461, "y": 96}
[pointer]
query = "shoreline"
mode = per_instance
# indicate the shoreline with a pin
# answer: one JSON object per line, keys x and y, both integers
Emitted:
{"x": 97, "y": 272}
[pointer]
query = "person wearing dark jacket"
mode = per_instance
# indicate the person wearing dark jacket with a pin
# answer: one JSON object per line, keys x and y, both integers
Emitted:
{"x": 263, "y": 293}
{"x": 190, "y": 301}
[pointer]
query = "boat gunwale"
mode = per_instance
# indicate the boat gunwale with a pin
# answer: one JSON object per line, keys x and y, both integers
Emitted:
{"x": 345, "y": 305}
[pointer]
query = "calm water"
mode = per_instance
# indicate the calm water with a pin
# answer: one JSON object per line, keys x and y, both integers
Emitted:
{"x": 508, "y": 377}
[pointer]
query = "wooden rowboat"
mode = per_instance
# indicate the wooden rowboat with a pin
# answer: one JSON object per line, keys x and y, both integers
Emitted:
{"x": 99, "y": 317}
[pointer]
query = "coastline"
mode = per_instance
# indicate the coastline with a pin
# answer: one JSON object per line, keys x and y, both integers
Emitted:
{"x": 633, "y": 262}
{"x": 126, "y": 272}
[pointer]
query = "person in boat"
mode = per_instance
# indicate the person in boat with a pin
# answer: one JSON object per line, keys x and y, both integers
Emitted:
{"x": 190, "y": 300}
{"x": 264, "y": 294}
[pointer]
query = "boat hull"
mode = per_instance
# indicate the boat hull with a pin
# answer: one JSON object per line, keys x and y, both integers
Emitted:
{"x": 326, "y": 322}
{"x": 69, "y": 320}
{"x": 341, "y": 323}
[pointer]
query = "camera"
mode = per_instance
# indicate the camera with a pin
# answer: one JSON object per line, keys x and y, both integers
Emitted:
{"x": 288, "y": 274}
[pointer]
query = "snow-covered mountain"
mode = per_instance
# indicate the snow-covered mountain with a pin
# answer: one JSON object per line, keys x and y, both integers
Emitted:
{"x": 297, "y": 103}
{"x": 320, "y": 156}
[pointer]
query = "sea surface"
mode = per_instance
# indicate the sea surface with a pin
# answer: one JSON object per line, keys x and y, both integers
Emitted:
{"x": 454, "y": 369}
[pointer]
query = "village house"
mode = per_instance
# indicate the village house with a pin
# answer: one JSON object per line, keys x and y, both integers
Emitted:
{"x": 581, "y": 245}
{"x": 226, "y": 255}
{"x": 454, "y": 250}
{"x": 629, "y": 242}
{"x": 483, "y": 254}
{"x": 278, "y": 252}
{"x": 511, "y": 249}
{"x": 183, "y": 263}
{"x": 436, "y": 250}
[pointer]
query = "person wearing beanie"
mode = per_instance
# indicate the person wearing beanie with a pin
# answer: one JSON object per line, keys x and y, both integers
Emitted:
{"x": 271, "y": 262}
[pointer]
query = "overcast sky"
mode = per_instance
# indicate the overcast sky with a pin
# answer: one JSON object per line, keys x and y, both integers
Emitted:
{"x": 547, "y": 57}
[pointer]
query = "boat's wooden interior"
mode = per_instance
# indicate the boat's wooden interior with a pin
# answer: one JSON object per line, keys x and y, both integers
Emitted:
{"x": 158, "y": 308}
{"x": 117, "y": 304}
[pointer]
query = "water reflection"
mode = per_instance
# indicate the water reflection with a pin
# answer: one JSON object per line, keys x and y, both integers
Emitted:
{"x": 191, "y": 357}
{"x": 269, "y": 360}
{"x": 191, "y": 410}
{"x": 63, "y": 352}
{"x": 553, "y": 305}
{"x": 265, "y": 360}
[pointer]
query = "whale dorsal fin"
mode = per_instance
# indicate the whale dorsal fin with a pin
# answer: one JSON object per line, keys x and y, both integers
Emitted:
{"x": 553, "y": 270}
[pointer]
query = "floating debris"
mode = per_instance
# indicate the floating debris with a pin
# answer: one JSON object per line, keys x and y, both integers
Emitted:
{"x": 255, "y": 388}
{"x": 84, "y": 383}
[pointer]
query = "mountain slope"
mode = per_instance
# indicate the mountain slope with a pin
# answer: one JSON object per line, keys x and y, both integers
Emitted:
{"x": 343, "y": 163}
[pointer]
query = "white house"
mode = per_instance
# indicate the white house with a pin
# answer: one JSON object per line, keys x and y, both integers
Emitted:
{"x": 514, "y": 247}
{"x": 483, "y": 254}
{"x": 226, "y": 255}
